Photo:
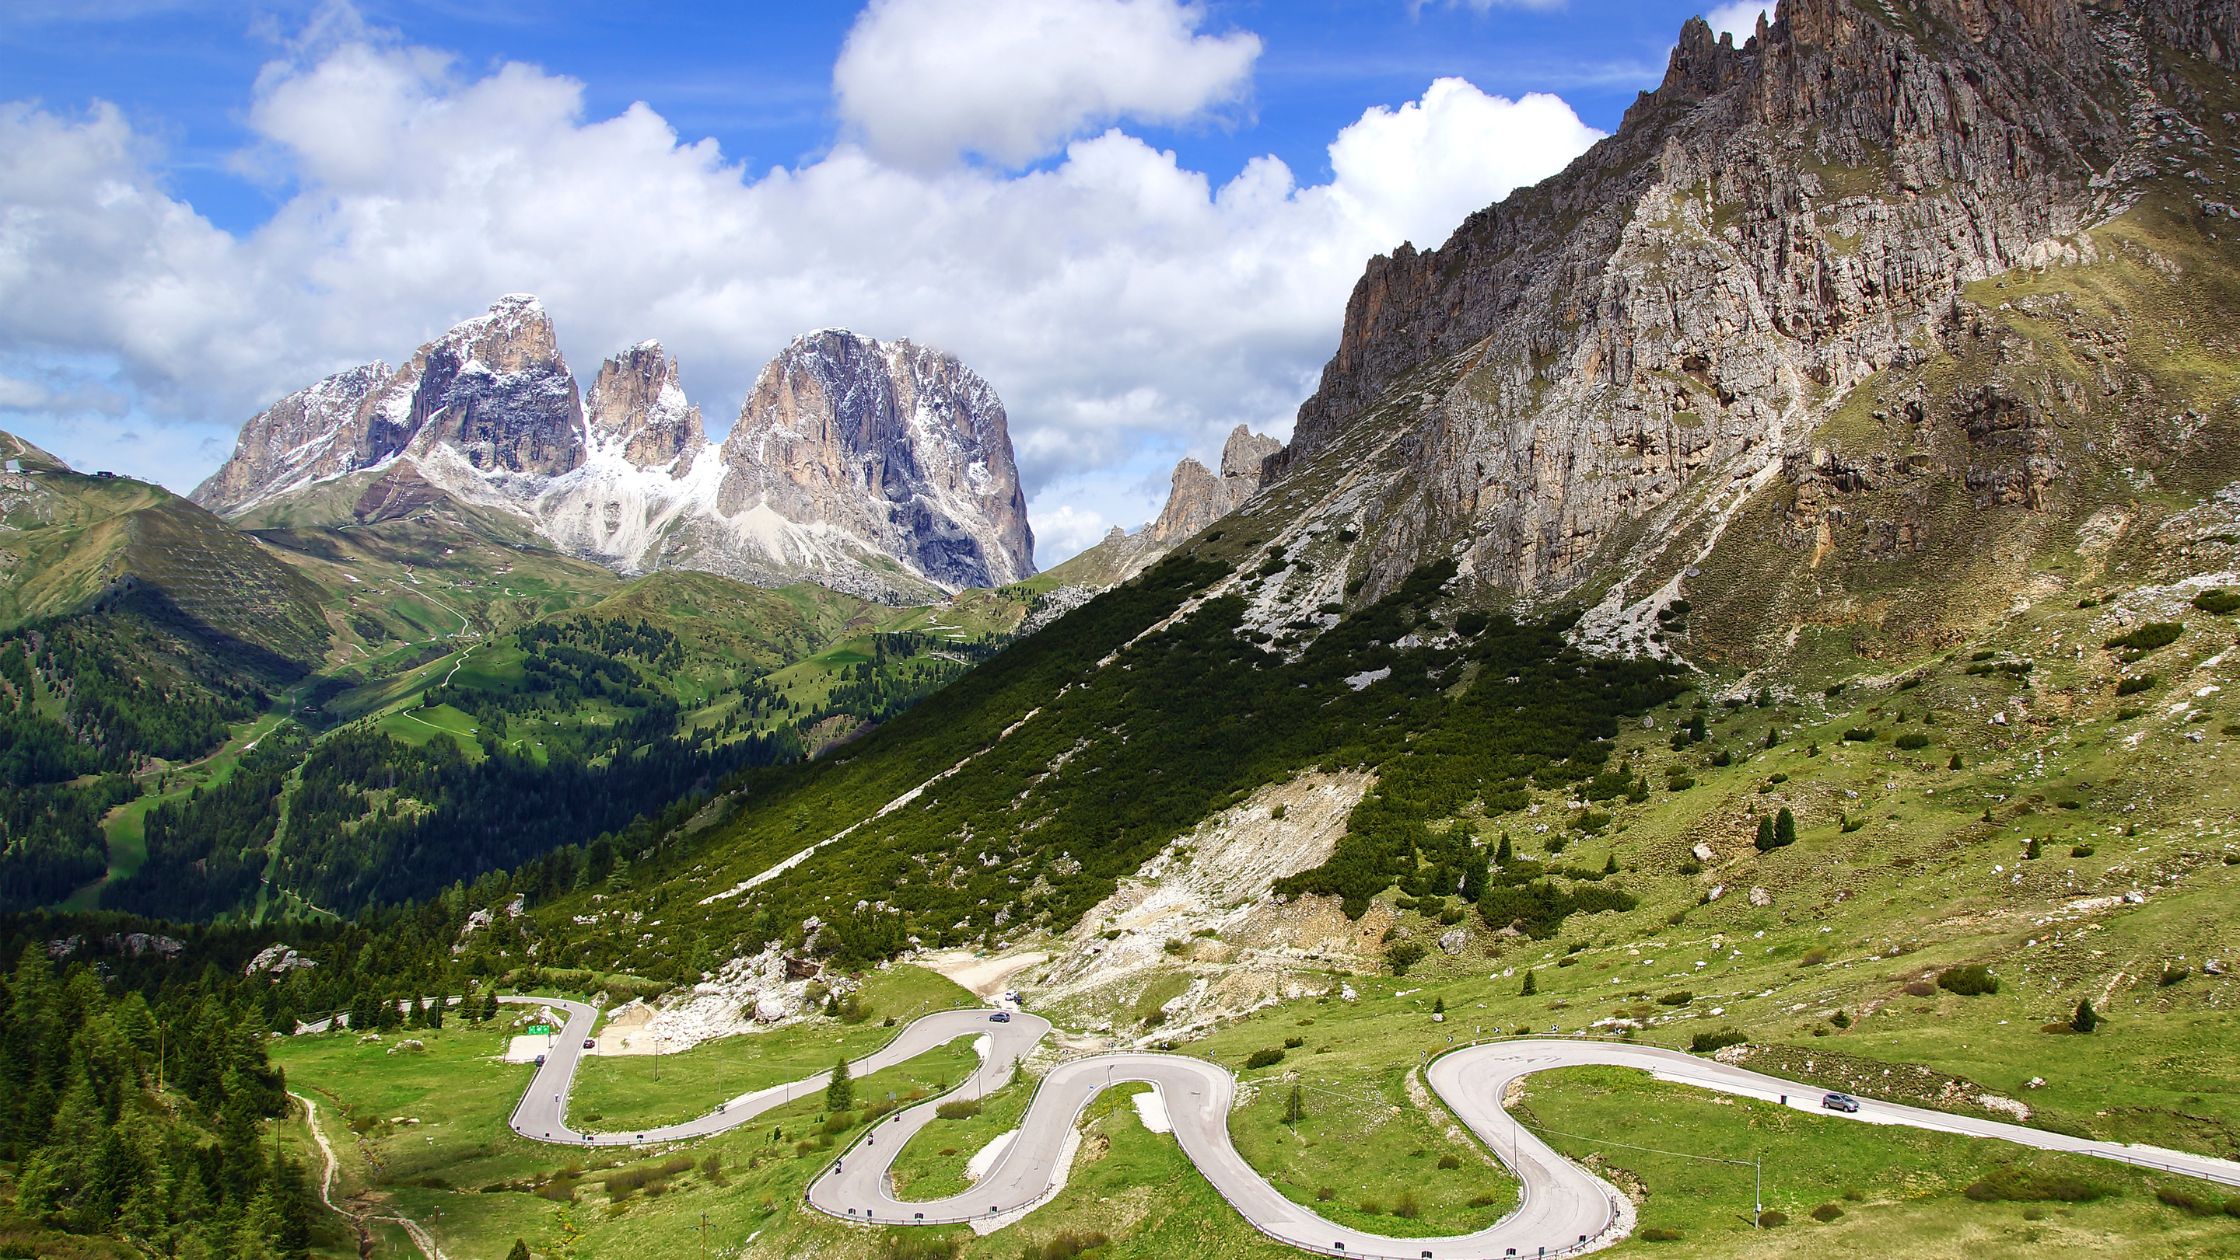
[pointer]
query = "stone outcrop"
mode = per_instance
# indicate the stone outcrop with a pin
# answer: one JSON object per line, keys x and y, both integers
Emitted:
{"x": 1623, "y": 355}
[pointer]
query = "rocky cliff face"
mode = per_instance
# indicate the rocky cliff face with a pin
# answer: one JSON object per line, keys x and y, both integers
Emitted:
{"x": 1199, "y": 498}
{"x": 1584, "y": 386}
{"x": 647, "y": 470}
{"x": 882, "y": 469}
{"x": 492, "y": 393}
{"x": 636, "y": 405}
{"x": 889, "y": 445}
{"x": 309, "y": 434}
{"x": 488, "y": 398}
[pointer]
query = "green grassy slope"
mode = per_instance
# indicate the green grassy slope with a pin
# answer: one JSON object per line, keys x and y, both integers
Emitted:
{"x": 80, "y": 543}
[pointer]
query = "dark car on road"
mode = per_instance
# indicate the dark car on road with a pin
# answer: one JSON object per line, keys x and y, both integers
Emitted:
{"x": 1840, "y": 1102}
{"x": 590, "y": 1043}
{"x": 1000, "y": 1017}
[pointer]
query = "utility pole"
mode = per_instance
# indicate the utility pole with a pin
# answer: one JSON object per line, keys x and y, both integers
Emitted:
{"x": 1759, "y": 1191}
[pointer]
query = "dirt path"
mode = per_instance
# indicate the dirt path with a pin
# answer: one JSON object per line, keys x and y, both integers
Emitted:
{"x": 360, "y": 1221}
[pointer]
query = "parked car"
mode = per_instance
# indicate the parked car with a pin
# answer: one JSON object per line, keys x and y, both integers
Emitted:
{"x": 590, "y": 1043}
{"x": 1840, "y": 1102}
{"x": 1000, "y": 1017}
{"x": 540, "y": 1060}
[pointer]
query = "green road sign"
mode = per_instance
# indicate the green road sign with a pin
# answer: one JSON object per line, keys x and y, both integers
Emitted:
{"x": 540, "y": 1030}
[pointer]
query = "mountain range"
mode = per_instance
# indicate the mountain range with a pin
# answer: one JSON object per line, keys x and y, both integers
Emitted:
{"x": 883, "y": 468}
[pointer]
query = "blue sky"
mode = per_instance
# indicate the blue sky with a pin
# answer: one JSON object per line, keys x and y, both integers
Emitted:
{"x": 272, "y": 255}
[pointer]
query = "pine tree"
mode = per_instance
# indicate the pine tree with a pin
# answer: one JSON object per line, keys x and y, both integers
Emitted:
{"x": 2086, "y": 1019}
{"x": 841, "y": 1093}
{"x": 520, "y": 1251}
{"x": 1784, "y": 828}
{"x": 1531, "y": 983}
{"x": 1294, "y": 1110}
{"x": 1438, "y": 1006}
{"x": 1501, "y": 853}
{"x": 1765, "y": 842}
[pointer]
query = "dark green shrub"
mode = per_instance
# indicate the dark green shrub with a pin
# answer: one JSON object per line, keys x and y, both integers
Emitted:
{"x": 958, "y": 1109}
{"x": 1772, "y": 1220}
{"x": 1263, "y": 1058}
{"x": 1968, "y": 980}
{"x": 2217, "y": 602}
{"x": 1661, "y": 1233}
{"x": 1404, "y": 955}
{"x": 1070, "y": 1245}
{"x": 1912, "y": 741}
{"x": 2197, "y": 1202}
{"x": 2137, "y": 683}
{"x": 2154, "y": 634}
{"x": 1713, "y": 1042}
{"x": 1859, "y": 735}
{"x": 1827, "y": 1212}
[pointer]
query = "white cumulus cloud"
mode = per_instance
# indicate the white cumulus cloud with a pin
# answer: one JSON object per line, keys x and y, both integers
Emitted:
{"x": 1424, "y": 167}
{"x": 1129, "y": 309}
{"x": 925, "y": 81}
{"x": 1738, "y": 18}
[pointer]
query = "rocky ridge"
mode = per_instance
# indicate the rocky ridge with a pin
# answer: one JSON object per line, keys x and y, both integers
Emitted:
{"x": 883, "y": 469}
{"x": 1196, "y": 498}
{"x": 1581, "y": 391}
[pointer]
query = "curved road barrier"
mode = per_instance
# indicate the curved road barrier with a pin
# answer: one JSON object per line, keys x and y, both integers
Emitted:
{"x": 1564, "y": 1209}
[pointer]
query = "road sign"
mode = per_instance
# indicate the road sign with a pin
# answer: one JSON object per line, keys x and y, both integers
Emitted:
{"x": 540, "y": 1030}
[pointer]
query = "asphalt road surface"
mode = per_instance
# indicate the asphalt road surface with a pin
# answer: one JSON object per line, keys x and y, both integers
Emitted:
{"x": 1564, "y": 1208}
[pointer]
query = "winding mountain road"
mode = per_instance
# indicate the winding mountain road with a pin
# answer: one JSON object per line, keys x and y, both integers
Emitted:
{"x": 1564, "y": 1209}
